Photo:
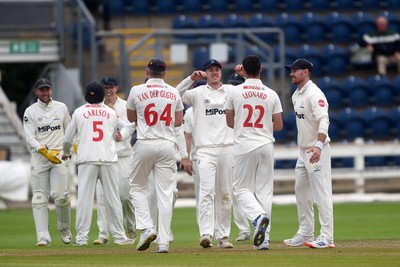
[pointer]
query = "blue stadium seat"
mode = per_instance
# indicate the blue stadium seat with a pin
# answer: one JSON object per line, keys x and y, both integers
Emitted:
{"x": 293, "y": 5}
{"x": 235, "y": 21}
{"x": 184, "y": 22}
{"x": 192, "y": 6}
{"x": 379, "y": 124}
{"x": 259, "y": 20}
{"x": 396, "y": 84}
{"x": 357, "y": 90}
{"x": 312, "y": 54}
{"x": 291, "y": 27}
{"x": 200, "y": 55}
{"x": 314, "y": 27}
{"x": 165, "y": 6}
{"x": 392, "y": 5}
{"x": 345, "y": 5}
{"x": 218, "y": 6}
{"x": 243, "y": 5}
{"x": 208, "y": 21}
{"x": 269, "y": 5}
{"x": 281, "y": 137}
{"x": 289, "y": 55}
{"x": 363, "y": 23}
{"x": 382, "y": 89}
{"x": 335, "y": 127}
{"x": 376, "y": 161}
{"x": 140, "y": 7}
{"x": 116, "y": 7}
{"x": 320, "y": 5}
{"x": 341, "y": 29}
{"x": 353, "y": 124}
{"x": 337, "y": 59}
{"x": 395, "y": 117}
{"x": 290, "y": 121}
{"x": 393, "y": 20}
{"x": 256, "y": 50}
{"x": 333, "y": 91}
{"x": 370, "y": 4}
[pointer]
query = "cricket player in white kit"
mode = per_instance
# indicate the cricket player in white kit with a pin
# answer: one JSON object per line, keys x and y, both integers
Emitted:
{"x": 44, "y": 123}
{"x": 94, "y": 125}
{"x": 157, "y": 109}
{"x": 254, "y": 111}
{"x": 313, "y": 167}
{"x": 214, "y": 144}
{"x": 124, "y": 152}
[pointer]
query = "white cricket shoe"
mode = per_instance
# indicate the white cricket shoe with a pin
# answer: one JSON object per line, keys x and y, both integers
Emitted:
{"x": 127, "y": 241}
{"x": 146, "y": 237}
{"x": 66, "y": 236}
{"x": 320, "y": 242}
{"x": 80, "y": 244}
{"x": 43, "y": 243}
{"x": 206, "y": 241}
{"x": 263, "y": 246}
{"x": 224, "y": 243}
{"x": 260, "y": 227}
{"x": 162, "y": 248}
{"x": 297, "y": 240}
{"x": 243, "y": 237}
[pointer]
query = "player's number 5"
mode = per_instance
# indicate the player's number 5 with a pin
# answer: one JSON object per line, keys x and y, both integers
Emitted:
{"x": 151, "y": 116}
{"x": 98, "y": 130}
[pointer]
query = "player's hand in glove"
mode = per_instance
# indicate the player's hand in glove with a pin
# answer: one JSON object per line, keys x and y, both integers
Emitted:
{"x": 50, "y": 155}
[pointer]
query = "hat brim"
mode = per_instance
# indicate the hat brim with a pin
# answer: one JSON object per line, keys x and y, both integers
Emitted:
{"x": 291, "y": 67}
{"x": 43, "y": 86}
{"x": 214, "y": 64}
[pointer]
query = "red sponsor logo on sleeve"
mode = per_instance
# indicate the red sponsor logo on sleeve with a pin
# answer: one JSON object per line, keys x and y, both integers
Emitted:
{"x": 321, "y": 103}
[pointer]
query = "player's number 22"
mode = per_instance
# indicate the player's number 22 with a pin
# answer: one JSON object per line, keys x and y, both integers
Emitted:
{"x": 256, "y": 124}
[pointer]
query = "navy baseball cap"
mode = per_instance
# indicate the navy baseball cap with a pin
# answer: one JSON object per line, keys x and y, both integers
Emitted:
{"x": 157, "y": 65}
{"x": 109, "y": 80}
{"x": 300, "y": 64}
{"x": 42, "y": 82}
{"x": 236, "y": 79}
{"x": 94, "y": 93}
{"x": 211, "y": 62}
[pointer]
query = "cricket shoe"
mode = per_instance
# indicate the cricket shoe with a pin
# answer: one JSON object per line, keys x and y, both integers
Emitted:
{"x": 297, "y": 240}
{"x": 66, "y": 236}
{"x": 100, "y": 241}
{"x": 263, "y": 246}
{"x": 243, "y": 237}
{"x": 43, "y": 243}
{"x": 146, "y": 237}
{"x": 162, "y": 248}
{"x": 123, "y": 242}
{"x": 131, "y": 234}
{"x": 224, "y": 243}
{"x": 320, "y": 242}
{"x": 206, "y": 241}
{"x": 260, "y": 227}
{"x": 80, "y": 244}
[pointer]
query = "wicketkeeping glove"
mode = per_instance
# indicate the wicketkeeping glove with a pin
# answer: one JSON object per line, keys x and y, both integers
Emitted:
{"x": 50, "y": 155}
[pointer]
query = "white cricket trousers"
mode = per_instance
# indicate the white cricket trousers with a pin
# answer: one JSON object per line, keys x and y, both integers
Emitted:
{"x": 128, "y": 210}
{"x": 157, "y": 155}
{"x": 87, "y": 178}
{"x": 253, "y": 182}
{"x": 215, "y": 167}
{"x": 314, "y": 185}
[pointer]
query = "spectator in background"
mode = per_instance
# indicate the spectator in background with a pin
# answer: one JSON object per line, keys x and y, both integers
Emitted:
{"x": 384, "y": 44}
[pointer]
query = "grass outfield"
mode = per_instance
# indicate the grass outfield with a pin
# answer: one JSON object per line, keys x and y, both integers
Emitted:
{"x": 366, "y": 234}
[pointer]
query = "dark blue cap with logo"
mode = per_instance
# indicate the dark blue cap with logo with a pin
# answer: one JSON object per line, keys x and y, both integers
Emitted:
{"x": 157, "y": 65}
{"x": 42, "y": 82}
{"x": 109, "y": 80}
{"x": 236, "y": 79}
{"x": 300, "y": 64}
{"x": 211, "y": 62}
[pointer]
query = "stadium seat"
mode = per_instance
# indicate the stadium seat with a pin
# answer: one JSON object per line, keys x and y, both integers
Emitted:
{"x": 357, "y": 90}
{"x": 116, "y": 7}
{"x": 396, "y": 84}
{"x": 337, "y": 59}
{"x": 243, "y": 5}
{"x": 200, "y": 55}
{"x": 333, "y": 91}
{"x": 379, "y": 124}
{"x": 184, "y": 22}
{"x": 345, "y": 5}
{"x": 395, "y": 117}
{"x": 341, "y": 29}
{"x": 192, "y": 6}
{"x": 259, "y": 20}
{"x": 269, "y": 5}
{"x": 281, "y": 137}
{"x": 353, "y": 124}
{"x": 382, "y": 89}
{"x": 208, "y": 21}
{"x": 291, "y": 27}
{"x": 165, "y": 6}
{"x": 312, "y": 54}
{"x": 256, "y": 50}
{"x": 392, "y": 5}
{"x": 218, "y": 6}
{"x": 235, "y": 21}
{"x": 290, "y": 120}
{"x": 363, "y": 23}
{"x": 334, "y": 128}
{"x": 370, "y": 4}
{"x": 293, "y": 5}
{"x": 320, "y": 5}
{"x": 140, "y": 7}
{"x": 289, "y": 55}
{"x": 376, "y": 161}
{"x": 314, "y": 27}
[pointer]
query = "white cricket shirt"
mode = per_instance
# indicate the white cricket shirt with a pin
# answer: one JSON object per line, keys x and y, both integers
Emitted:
{"x": 254, "y": 105}
{"x": 311, "y": 108}
{"x": 45, "y": 125}
{"x": 209, "y": 115}
{"x": 124, "y": 148}
{"x": 188, "y": 127}
{"x": 155, "y": 103}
